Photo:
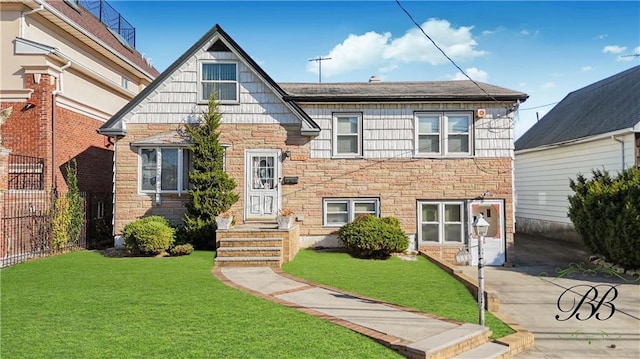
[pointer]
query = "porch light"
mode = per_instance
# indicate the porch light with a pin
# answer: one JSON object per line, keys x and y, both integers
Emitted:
{"x": 481, "y": 226}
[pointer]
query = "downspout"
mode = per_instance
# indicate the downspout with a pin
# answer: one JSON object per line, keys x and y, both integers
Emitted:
{"x": 24, "y": 14}
{"x": 53, "y": 124}
{"x": 613, "y": 137}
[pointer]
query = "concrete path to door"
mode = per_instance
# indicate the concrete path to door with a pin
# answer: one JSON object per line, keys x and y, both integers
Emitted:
{"x": 573, "y": 309}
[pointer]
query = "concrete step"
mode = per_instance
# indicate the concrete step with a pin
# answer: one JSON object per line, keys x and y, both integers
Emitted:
{"x": 274, "y": 262}
{"x": 451, "y": 342}
{"x": 249, "y": 252}
{"x": 251, "y": 242}
{"x": 486, "y": 351}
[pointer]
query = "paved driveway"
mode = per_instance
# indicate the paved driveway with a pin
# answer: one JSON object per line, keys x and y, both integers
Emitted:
{"x": 544, "y": 292}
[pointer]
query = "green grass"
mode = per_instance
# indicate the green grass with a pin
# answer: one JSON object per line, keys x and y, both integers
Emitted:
{"x": 84, "y": 305}
{"x": 420, "y": 285}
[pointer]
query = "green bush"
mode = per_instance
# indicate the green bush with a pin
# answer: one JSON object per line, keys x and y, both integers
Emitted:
{"x": 605, "y": 212}
{"x": 181, "y": 250}
{"x": 149, "y": 235}
{"x": 372, "y": 237}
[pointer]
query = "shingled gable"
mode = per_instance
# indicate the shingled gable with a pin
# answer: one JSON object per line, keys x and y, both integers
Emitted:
{"x": 609, "y": 105}
{"x": 223, "y": 42}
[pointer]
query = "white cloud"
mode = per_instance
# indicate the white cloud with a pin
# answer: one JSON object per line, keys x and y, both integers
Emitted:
{"x": 358, "y": 52}
{"x": 549, "y": 85}
{"x": 524, "y": 32}
{"x": 494, "y": 31}
{"x": 613, "y": 49}
{"x": 474, "y": 73}
{"x": 601, "y": 37}
{"x": 586, "y": 68}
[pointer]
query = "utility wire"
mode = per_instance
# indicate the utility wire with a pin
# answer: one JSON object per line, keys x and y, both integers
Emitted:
{"x": 533, "y": 108}
{"x": 442, "y": 51}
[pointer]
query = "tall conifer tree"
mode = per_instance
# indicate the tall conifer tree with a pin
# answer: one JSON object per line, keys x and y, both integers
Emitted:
{"x": 212, "y": 190}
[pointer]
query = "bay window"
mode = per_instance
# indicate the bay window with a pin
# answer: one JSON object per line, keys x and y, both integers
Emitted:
{"x": 164, "y": 170}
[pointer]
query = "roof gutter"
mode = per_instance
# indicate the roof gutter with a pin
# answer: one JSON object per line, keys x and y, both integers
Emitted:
{"x": 24, "y": 14}
{"x": 577, "y": 141}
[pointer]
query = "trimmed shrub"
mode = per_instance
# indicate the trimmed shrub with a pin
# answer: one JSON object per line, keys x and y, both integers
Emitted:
{"x": 372, "y": 237}
{"x": 149, "y": 235}
{"x": 181, "y": 250}
{"x": 605, "y": 212}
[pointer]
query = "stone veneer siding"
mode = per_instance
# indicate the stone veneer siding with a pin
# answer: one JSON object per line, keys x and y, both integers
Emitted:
{"x": 398, "y": 182}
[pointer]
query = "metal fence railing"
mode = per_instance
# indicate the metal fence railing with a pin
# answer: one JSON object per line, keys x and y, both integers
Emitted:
{"x": 26, "y": 224}
{"x": 112, "y": 18}
{"x": 26, "y": 173}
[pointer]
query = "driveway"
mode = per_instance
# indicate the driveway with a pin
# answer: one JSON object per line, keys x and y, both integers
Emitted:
{"x": 573, "y": 309}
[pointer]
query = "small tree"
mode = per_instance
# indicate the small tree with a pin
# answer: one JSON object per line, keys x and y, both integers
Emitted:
{"x": 68, "y": 211}
{"x": 212, "y": 190}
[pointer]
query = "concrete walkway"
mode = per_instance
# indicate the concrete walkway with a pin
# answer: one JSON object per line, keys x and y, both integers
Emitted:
{"x": 413, "y": 334}
{"x": 530, "y": 294}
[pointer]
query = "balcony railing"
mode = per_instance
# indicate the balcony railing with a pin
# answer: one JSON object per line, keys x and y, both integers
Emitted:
{"x": 112, "y": 18}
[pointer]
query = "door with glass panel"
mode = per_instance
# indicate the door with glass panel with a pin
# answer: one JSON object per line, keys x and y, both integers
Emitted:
{"x": 262, "y": 184}
{"x": 494, "y": 242}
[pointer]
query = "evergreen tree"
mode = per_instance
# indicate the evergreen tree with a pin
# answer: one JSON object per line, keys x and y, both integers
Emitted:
{"x": 212, "y": 190}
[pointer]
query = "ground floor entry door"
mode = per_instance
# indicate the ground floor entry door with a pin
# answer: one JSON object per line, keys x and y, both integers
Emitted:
{"x": 495, "y": 241}
{"x": 262, "y": 174}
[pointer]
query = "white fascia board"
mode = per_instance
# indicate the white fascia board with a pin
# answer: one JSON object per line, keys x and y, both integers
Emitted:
{"x": 578, "y": 140}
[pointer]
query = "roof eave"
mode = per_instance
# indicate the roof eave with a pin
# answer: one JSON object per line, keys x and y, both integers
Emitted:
{"x": 334, "y": 99}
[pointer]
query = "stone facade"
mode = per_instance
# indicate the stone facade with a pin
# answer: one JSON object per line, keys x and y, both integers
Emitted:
{"x": 398, "y": 183}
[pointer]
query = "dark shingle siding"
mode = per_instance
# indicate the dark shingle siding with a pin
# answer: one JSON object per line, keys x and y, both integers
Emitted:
{"x": 608, "y": 105}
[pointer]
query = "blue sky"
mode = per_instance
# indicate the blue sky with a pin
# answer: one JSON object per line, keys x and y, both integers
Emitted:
{"x": 543, "y": 48}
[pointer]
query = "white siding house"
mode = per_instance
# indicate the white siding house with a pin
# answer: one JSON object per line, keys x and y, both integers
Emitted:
{"x": 596, "y": 127}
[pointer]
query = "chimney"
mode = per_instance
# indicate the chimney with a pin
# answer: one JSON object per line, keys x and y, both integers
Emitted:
{"x": 374, "y": 78}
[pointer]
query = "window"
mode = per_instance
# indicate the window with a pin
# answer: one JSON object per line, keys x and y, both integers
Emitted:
{"x": 169, "y": 165}
{"x": 338, "y": 212}
{"x": 347, "y": 135}
{"x": 440, "y": 222}
{"x": 443, "y": 134}
{"x": 100, "y": 209}
{"x": 221, "y": 77}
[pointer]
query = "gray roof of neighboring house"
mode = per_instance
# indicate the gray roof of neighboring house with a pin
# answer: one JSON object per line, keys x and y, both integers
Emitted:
{"x": 379, "y": 91}
{"x": 608, "y": 105}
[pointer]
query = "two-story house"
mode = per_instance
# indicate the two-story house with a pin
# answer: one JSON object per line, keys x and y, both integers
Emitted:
{"x": 424, "y": 152}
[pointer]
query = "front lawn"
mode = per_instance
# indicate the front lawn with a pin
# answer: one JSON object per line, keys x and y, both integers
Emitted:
{"x": 84, "y": 305}
{"x": 420, "y": 285}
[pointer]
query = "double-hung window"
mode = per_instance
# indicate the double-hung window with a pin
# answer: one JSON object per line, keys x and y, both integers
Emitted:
{"x": 221, "y": 78}
{"x": 347, "y": 135}
{"x": 340, "y": 211}
{"x": 443, "y": 133}
{"x": 164, "y": 170}
{"x": 440, "y": 222}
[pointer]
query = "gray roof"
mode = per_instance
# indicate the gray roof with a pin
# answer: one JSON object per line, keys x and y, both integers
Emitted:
{"x": 399, "y": 91}
{"x": 608, "y": 105}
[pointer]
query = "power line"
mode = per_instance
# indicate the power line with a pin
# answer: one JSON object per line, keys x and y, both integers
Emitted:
{"x": 444, "y": 53}
{"x": 533, "y": 108}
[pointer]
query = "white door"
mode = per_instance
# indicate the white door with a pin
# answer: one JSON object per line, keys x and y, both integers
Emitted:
{"x": 262, "y": 184}
{"x": 495, "y": 241}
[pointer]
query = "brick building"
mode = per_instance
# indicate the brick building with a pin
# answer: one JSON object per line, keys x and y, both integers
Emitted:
{"x": 64, "y": 73}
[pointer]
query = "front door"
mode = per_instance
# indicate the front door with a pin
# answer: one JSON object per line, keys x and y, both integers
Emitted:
{"x": 262, "y": 189}
{"x": 495, "y": 241}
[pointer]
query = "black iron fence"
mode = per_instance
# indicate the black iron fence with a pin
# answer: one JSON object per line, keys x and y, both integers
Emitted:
{"x": 112, "y": 18}
{"x": 26, "y": 173}
{"x": 27, "y": 227}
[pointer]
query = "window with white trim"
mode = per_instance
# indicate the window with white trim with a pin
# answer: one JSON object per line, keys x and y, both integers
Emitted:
{"x": 340, "y": 211}
{"x": 443, "y": 133}
{"x": 221, "y": 77}
{"x": 164, "y": 170}
{"x": 440, "y": 222}
{"x": 347, "y": 134}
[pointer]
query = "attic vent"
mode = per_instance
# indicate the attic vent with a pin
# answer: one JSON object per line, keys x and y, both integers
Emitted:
{"x": 374, "y": 78}
{"x": 219, "y": 46}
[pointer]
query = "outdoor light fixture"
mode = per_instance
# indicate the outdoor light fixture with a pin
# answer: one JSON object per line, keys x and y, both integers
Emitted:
{"x": 286, "y": 154}
{"x": 481, "y": 227}
{"x": 27, "y": 106}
